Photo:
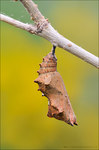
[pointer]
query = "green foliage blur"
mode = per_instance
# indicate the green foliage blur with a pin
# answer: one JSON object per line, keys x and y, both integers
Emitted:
{"x": 24, "y": 121}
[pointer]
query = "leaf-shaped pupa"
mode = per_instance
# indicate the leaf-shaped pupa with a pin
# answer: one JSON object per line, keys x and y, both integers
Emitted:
{"x": 52, "y": 86}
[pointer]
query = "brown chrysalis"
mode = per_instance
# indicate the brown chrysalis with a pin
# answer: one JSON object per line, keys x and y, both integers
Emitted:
{"x": 52, "y": 86}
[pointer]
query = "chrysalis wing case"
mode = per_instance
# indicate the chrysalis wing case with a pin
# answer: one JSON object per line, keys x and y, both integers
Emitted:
{"x": 52, "y": 86}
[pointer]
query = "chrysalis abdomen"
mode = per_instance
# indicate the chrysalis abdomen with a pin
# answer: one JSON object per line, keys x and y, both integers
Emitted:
{"x": 51, "y": 84}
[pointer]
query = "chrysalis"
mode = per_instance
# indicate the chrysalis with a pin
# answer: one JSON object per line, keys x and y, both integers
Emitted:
{"x": 51, "y": 85}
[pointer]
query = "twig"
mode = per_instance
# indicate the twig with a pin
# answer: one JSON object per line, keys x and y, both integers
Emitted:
{"x": 18, "y": 24}
{"x": 44, "y": 29}
{"x": 33, "y": 10}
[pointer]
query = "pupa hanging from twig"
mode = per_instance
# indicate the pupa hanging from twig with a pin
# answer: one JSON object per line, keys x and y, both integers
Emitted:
{"x": 52, "y": 86}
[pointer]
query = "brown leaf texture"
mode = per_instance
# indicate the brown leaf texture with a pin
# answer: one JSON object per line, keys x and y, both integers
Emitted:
{"x": 52, "y": 86}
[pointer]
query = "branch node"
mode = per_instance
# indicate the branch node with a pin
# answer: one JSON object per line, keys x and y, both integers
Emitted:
{"x": 41, "y": 26}
{"x": 31, "y": 18}
{"x": 69, "y": 45}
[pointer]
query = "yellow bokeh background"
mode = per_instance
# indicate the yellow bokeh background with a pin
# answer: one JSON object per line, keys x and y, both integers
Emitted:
{"x": 24, "y": 121}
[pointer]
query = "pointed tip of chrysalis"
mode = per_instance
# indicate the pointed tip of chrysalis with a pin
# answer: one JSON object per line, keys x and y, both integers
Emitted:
{"x": 72, "y": 124}
{"x": 76, "y": 123}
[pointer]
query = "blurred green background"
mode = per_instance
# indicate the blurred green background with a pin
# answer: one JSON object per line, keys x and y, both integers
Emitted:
{"x": 24, "y": 121}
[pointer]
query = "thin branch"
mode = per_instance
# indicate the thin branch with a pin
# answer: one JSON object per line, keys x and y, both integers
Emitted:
{"x": 18, "y": 24}
{"x": 44, "y": 29}
{"x": 33, "y": 10}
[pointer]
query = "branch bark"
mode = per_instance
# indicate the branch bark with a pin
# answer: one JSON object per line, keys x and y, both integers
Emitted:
{"x": 18, "y": 24}
{"x": 44, "y": 29}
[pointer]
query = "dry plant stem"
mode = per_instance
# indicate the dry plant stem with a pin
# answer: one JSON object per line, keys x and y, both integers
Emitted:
{"x": 18, "y": 24}
{"x": 44, "y": 29}
{"x": 33, "y": 10}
